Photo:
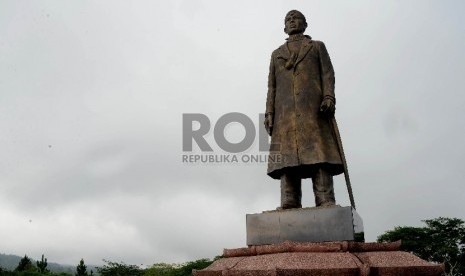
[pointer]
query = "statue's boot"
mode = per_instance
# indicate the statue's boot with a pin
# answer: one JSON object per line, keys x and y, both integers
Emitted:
{"x": 291, "y": 192}
{"x": 323, "y": 188}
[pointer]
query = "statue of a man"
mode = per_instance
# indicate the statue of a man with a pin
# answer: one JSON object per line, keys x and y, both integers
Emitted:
{"x": 299, "y": 108}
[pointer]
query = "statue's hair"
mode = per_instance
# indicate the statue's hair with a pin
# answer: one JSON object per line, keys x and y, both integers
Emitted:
{"x": 298, "y": 12}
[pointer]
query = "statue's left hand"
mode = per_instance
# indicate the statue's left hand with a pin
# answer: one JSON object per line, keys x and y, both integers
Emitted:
{"x": 269, "y": 123}
{"x": 328, "y": 107}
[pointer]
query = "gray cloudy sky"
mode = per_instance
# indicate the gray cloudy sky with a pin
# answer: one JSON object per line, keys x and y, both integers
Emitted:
{"x": 92, "y": 97}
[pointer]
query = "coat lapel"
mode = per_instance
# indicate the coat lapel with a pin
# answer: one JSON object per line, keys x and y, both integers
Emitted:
{"x": 304, "y": 49}
{"x": 284, "y": 52}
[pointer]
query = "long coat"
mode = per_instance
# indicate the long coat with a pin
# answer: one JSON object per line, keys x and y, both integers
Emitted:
{"x": 301, "y": 137}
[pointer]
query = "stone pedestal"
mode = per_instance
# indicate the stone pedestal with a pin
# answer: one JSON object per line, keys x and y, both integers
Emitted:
{"x": 304, "y": 225}
{"x": 315, "y": 241}
{"x": 333, "y": 258}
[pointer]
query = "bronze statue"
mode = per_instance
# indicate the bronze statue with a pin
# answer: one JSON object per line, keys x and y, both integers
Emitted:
{"x": 300, "y": 110}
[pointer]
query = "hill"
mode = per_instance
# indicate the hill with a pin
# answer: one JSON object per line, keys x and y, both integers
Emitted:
{"x": 10, "y": 262}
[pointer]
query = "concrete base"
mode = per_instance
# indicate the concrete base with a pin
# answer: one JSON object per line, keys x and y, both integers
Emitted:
{"x": 304, "y": 225}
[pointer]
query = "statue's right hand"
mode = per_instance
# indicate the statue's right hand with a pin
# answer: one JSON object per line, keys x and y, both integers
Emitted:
{"x": 269, "y": 123}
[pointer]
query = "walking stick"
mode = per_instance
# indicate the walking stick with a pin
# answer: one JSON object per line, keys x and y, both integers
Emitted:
{"x": 343, "y": 158}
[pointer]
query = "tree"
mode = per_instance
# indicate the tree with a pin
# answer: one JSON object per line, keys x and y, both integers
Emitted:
{"x": 161, "y": 269}
{"x": 185, "y": 269}
{"x": 42, "y": 265}
{"x": 441, "y": 241}
{"x": 119, "y": 269}
{"x": 25, "y": 264}
{"x": 81, "y": 269}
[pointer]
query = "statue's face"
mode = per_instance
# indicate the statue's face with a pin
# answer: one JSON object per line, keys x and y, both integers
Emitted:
{"x": 294, "y": 23}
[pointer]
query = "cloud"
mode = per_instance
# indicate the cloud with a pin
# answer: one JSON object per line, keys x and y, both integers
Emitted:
{"x": 91, "y": 114}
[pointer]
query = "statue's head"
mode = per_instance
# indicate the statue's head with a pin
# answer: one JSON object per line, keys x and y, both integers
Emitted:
{"x": 294, "y": 23}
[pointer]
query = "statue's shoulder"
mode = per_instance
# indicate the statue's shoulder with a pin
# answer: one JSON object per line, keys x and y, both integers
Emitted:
{"x": 319, "y": 44}
{"x": 279, "y": 50}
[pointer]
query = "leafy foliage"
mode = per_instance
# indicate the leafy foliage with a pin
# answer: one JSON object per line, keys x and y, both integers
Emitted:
{"x": 25, "y": 264}
{"x": 184, "y": 269}
{"x": 119, "y": 269}
{"x": 111, "y": 269}
{"x": 441, "y": 241}
{"x": 81, "y": 269}
{"x": 42, "y": 265}
{"x": 26, "y": 268}
{"x": 159, "y": 269}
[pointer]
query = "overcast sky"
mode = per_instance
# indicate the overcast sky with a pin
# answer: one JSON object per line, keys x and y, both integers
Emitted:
{"x": 91, "y": 101}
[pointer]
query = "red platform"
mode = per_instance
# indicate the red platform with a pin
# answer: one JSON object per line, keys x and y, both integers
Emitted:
{"x": 331, "y": 258}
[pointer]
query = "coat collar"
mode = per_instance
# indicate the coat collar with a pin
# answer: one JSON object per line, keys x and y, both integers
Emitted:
{"x": 283, "y": 50}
